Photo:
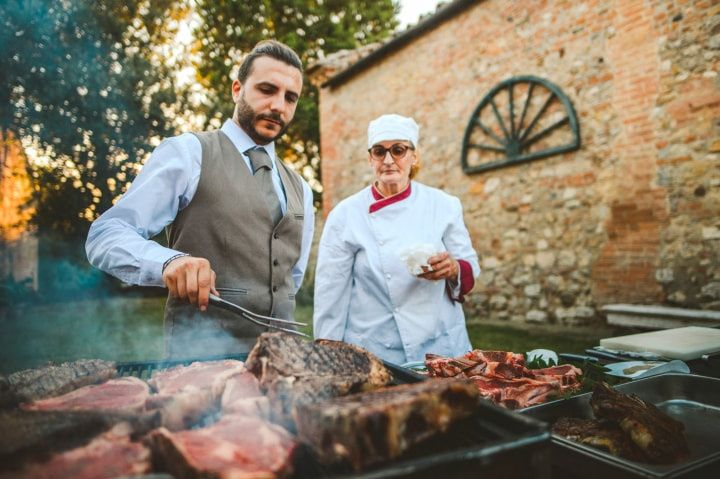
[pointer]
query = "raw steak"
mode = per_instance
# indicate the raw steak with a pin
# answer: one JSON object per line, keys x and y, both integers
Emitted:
{"x": 242, "y": 395}
{"x": 659, "y": 436}
{"x": 53, "y": 380}
{"x": 186, "y": 394}
{"x": 371, "y": 427}
{"x": 110, "y": 455}
{"x": 123, "y": 395}
{"x": 237, "y": 446}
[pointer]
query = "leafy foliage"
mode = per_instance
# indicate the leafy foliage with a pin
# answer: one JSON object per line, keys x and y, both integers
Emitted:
{"x": 313, "y": 28}
{"x": 79, "y": 84}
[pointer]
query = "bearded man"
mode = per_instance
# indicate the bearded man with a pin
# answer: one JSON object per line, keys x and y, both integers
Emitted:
{"x": 239, "y": 222}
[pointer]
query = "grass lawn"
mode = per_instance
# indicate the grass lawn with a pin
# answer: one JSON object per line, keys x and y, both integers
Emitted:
{"x": 130, "y": 329}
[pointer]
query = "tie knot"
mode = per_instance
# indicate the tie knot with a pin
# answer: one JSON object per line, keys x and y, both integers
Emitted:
{"x": 259, "y": 159}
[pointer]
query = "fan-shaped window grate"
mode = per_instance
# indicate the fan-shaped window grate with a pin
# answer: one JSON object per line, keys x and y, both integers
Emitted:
{"x": 521, "y": 119}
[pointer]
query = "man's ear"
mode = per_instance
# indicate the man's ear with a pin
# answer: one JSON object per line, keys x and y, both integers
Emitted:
{"x": 236, "y": 90}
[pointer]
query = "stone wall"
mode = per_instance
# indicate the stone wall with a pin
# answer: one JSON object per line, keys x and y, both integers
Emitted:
{"x": 633, "y": 216}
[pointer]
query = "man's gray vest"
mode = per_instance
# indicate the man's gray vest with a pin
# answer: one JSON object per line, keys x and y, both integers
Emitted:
{"x": 228, "y": 223}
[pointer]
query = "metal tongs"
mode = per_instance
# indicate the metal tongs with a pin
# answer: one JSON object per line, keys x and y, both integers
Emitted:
{"x": 259, "y": 319}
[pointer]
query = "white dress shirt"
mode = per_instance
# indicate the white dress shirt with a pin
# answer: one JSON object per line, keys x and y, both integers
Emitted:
{"x": 118, "y": 242}
{"x": 364, "y": 293}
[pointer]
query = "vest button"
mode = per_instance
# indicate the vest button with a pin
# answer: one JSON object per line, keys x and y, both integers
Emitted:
{"x": 275, "y": 288}
{"x": 276, "y": 262}
{"x": 275, "y": 235}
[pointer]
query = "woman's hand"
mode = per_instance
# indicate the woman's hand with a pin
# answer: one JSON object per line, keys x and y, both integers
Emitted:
{"x": 443, "y": 266}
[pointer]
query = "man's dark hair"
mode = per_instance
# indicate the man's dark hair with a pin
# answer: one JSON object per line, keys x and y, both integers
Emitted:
{"x": 269, "y": 48}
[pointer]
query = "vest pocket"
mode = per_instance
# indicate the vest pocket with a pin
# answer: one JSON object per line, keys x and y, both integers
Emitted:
{"x": 291, "y": 296}
{"x": 298, "y": 216}
{"x": 236, "y": 291}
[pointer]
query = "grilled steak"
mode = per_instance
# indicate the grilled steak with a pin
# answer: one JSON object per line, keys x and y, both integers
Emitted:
{"x": 53, "y": 380}
{"x": 659, "y": 436}
{"x": 371, "y": 427}
{"x": 294, "y": 371}
{"x": 236, "y": 446}
{"x": 284, "y": 355}
{"x": 600, "y": 434}
{"x": 285, "y": 393}
{"x": 110, "y": 455}
{"x": 122, "y": 395}
{"x": 186, "y": 394}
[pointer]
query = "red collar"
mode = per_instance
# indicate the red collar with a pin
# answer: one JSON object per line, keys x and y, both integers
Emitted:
{"x": 381, "y": 201}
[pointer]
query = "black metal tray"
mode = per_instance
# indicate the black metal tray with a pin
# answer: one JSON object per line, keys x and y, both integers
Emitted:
{"x": 693, "y": 400}
{"x": 493, "y": 441}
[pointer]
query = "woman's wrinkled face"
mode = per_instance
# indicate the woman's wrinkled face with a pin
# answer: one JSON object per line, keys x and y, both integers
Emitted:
{"x": 391, "y": 161}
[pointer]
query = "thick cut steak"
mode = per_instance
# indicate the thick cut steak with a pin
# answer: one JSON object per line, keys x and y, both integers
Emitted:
{"x": 295, "y": 371}
{"x": 122, "y": 395}
{"x": 110, "y": 455}
{"x": 284, "y": 355}
{"x": 53, "y": 380}
{"x": 186, "y": 394}
{"x": 242, "y": 395}
{"x": 371, "y": 427}
{"x": 237, "y": 446}
{"x": 660, "y": 437}
{"x": 603, "y": 435}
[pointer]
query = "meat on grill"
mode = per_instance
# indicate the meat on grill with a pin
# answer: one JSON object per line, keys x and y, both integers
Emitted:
{"x": 503, "y": 378}
{"x": 53, "y": 380}
{"x": 603, "y": 435}
{"x": 110, "y": 455}
{"x": 242, "y": 395}
{"x": 661, "y": 437}
{"x": 237, "y": 446}
{"x": 286, "y": 393}
{"x": 295, "y": 371}
{"x": 123, "y": 395}
{"x": 367, "y": 428}
{"x": 186, "y": 394}
{"x": 283, "y": 355}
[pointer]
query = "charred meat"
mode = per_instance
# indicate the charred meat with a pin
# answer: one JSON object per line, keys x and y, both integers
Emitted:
{"x": 659, "y": 436}
{"x": 53, "y": 380}
{"x": 371, "y": 427}
{"x": 603, "y": 435}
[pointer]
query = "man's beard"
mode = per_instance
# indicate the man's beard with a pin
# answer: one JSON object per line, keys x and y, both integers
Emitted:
{"x": 247, "y": 117}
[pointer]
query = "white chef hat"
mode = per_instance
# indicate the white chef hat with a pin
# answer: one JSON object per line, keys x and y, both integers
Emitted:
{"x": 393, "y": 127}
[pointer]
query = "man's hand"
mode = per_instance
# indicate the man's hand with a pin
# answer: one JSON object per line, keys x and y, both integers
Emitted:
{"x": 191, "y": 279}
{"x": 443, "y": 266}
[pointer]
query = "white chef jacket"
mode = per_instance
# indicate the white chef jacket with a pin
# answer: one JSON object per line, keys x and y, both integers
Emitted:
{"x": 364, "y": 293}
{"x": 118, "y": 240}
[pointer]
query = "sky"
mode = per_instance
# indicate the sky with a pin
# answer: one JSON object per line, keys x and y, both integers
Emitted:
{"x": 410, "y": 10}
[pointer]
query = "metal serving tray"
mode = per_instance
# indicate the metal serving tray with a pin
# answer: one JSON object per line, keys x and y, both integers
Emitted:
{"x": 693, "y": 400}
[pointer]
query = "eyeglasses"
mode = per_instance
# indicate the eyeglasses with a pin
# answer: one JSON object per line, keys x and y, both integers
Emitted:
{"x": 397, "y": 151}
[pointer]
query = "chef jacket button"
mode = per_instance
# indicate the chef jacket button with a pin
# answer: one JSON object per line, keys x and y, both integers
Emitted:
{"x": 276, "y": 262}
{"x": 388, "y": 276}
{"x": 396, "y": 310}
{"x": 275, "y": 288}
{"x": 382, "y": 243}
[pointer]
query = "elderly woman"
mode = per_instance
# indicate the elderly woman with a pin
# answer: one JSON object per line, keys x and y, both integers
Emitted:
{"x": 365, "y": 293}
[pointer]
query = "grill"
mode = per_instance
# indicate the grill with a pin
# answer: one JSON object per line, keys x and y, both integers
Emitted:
{"x": 493, "y": 441}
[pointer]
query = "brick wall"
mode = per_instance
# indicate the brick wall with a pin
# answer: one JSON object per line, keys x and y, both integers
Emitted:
{"x": 633, "y": 216}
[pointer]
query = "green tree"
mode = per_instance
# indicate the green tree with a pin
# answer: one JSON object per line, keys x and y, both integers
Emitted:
{"x": 82, "y": 84}
{"x": 313, "y": 28}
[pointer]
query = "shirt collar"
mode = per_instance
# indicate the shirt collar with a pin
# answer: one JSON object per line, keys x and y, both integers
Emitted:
{"x": 242, "y": 140}
{"x": 381, "y": 201}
